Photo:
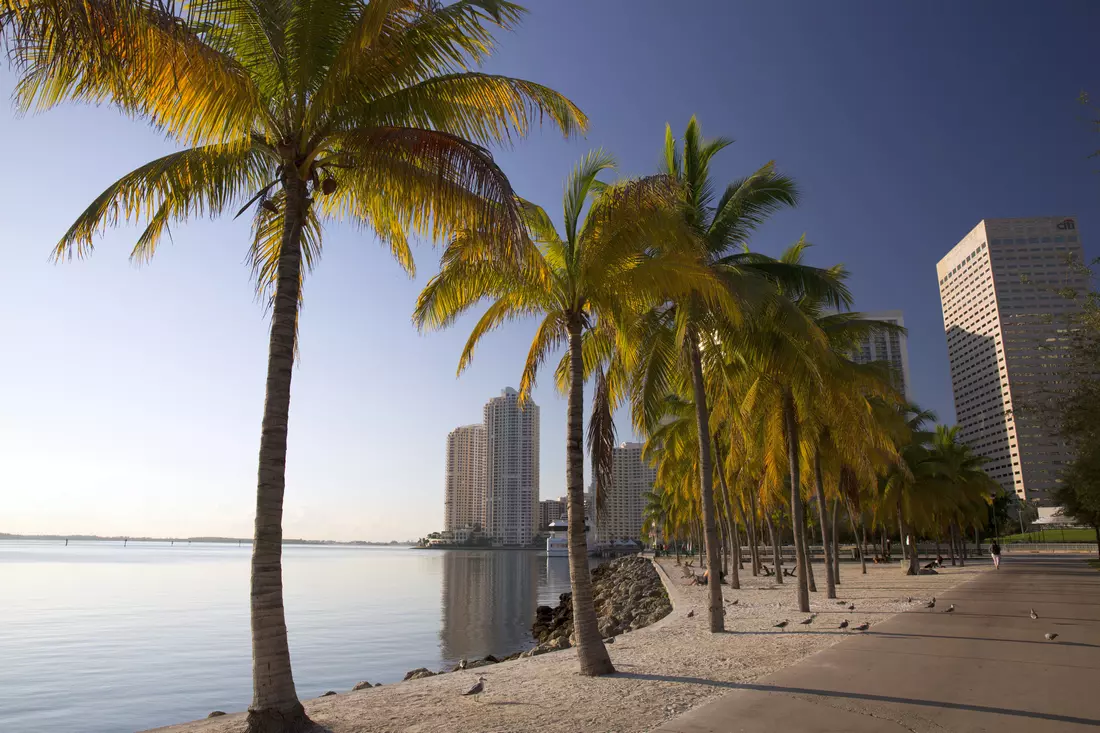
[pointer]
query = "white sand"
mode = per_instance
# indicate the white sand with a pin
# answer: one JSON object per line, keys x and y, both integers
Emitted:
{"x": 664, "y": 669}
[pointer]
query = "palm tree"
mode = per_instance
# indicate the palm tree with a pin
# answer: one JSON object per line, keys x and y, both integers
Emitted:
{"x": 363, "y": 112}
{"x": 629, "y": 250}
{"x": 905, "y": 485}
{"x": 722, "y": 227}
{"x": 958, "y": 490}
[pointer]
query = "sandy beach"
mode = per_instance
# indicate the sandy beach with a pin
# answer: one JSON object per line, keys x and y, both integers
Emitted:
{"x": 663, "y": 670}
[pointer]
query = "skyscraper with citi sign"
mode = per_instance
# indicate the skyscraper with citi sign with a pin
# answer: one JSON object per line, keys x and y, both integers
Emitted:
{"x": 1007, "y": 328}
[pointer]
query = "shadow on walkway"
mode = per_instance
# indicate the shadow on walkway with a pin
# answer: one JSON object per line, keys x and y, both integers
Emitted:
{"x": 865, "y": 697}
{"x": 1043, "y": 642}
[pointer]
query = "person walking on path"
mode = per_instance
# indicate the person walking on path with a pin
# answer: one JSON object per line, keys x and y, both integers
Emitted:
{"x": 995, "y": 552}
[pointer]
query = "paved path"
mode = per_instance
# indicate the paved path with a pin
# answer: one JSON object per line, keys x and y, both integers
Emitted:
{"x": 985, "y": 667}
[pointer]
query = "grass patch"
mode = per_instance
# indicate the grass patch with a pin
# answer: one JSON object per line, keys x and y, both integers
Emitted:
{"x": 1053, "y": 535}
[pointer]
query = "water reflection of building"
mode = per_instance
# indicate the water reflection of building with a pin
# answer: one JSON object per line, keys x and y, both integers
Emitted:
{"x": 488, "y": 601}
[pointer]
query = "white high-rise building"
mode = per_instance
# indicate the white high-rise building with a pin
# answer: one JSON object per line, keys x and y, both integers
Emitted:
{"x": 1006, "y": 328}
{"x": 464, "y": 498}
{"x": 631, "y": 478}
{"x": 512, "y": 469}
{"x": 888, "y": 347}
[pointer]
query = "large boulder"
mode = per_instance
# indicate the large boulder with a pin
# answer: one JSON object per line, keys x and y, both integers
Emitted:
{"x": 364, "y": 685}
{"x": 489, "y": 659}
{"x": 418, "y": 673}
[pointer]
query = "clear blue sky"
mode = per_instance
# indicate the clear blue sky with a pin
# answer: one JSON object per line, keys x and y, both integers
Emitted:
{"x": 130, "y": 399}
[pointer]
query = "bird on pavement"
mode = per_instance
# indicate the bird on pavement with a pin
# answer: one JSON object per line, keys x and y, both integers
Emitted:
{"x": 863, "y": 626}
{"x": 931, "y": 603}
{"x": 950, "y": 609}
{"x": 807, "y": 621}
{"x": 477, "y": 689}
{"x": 1034, "y": 616}
{"x": 462, "y": 664}
{"x": 851, "y": 606}
{"x": 1051, "y": 637}
{"x": 781, "y": 625}
{"x": 841, "y": 603}
{"x": 691, "y": 613}
{"x": 843, "y": 624}
{"x": 908, "y": 599}
{"x": 735, "y": 601}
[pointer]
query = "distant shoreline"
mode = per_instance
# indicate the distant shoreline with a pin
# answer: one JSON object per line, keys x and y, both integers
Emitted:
{"x": 528, "y": 548}
{"x": 210, "y": 540}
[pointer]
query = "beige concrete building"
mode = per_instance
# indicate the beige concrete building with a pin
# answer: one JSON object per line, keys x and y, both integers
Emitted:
{"x": 464, "y": 496}
{"x": 631, "y": 478}
{"x": 512, "y": 469}
{"x": 888, "y": 347}
{"x": 550, "y": 510}
{"x": 1006, "y": 327}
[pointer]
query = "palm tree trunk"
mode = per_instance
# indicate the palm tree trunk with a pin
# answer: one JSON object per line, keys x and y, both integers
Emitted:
{"x": 738, "y": 563}
{"x": 750, "y": 527}
{"x": 774, "y": 536}
{"x": 811, "y": 582}
{"x": 706, "y": 484}
{"x": 731, "y": 528}
{"x": 901, "y": 539}
{"x": 909, "y": 548}
{"x": 861, "y": 543}
{"x": 790, "y": 422}
{"x": 591, "y": 652}
{"x": 962, "y": 545}
{"x": 823, "y": 517}
{"x": 836, "y": 542}
{"x": 860, "y": 537}
{"x": 275, "y": 707}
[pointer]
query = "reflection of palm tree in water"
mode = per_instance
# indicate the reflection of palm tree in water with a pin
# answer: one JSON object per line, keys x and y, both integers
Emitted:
{"x": 488, "y": 601}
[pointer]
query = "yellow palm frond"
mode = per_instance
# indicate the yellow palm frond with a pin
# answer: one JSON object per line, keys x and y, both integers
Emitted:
{"x": 138, "y": 56}
{"x": 485, "y": 108}
{"x": 205, "y": 181}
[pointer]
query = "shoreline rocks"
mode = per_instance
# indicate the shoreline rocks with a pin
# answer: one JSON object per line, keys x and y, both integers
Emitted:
{"x": 628, "y": 595}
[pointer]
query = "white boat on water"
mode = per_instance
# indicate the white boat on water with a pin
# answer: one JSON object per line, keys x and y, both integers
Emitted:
{"x": 557, "y": 544}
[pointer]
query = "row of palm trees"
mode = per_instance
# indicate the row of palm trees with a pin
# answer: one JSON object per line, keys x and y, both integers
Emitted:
{"x": 734, "y": 365}
{"x": 737, "y": 368}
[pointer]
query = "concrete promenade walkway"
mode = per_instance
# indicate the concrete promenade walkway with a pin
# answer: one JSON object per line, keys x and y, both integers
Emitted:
{"x": 985, "y": 667}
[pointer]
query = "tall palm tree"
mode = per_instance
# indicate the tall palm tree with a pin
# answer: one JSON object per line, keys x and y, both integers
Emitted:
{"x": 310, "y": 110}
{"x": 905, "y": 485}
{"x": 723, "y": 226}
{"x": 775, "y": 365}
{"x": 626, "y": 252}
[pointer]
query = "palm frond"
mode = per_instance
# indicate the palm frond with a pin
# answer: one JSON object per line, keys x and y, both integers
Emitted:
{"x": 601, "y": 440}
{"x": 136, "y": 54}
{"x": 204, "y": 181}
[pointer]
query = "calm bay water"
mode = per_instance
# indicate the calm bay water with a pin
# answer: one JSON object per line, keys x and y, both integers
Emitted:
{"x": 98, "y": 638}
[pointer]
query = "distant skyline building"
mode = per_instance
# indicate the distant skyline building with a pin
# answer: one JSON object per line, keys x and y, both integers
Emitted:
{"x": 631, "y": 478}
{"x": 550, "y": 510}
{"x": 464, "y": 498}
{"x": 891, "y": 348}
{"x": 512, "y": 469}
{"x": 1006, "y": 328}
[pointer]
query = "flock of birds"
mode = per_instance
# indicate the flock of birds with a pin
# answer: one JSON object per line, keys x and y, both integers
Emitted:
{"x": 479, "y": 687}
{"x": 844, "y": 625}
